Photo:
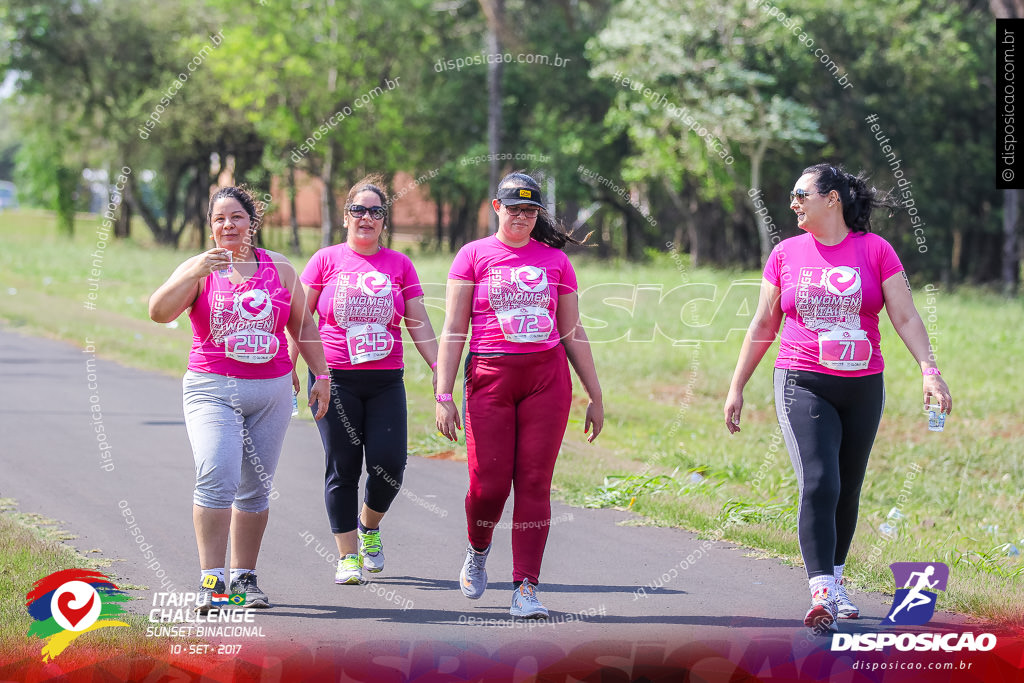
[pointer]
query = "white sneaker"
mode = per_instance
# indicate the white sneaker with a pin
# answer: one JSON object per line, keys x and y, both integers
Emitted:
{"x": 822, "y": 616}
{"x": 350, "y": 570}
{"x": 845, "y": 607}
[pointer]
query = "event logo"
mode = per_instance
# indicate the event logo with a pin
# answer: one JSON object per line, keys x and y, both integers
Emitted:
{"x": 254, "y": 304}
{"x": 914, "y": 603}
{"x": 375, "y": 284}
{"x": 68, "y": 603}
{"x": 842, "y": 281}
{"x": 530, "y": 279}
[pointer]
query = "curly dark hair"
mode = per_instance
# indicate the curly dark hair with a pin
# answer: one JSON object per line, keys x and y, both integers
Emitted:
{"x": 855, "y": 194}
{"x": 254, "y": 207}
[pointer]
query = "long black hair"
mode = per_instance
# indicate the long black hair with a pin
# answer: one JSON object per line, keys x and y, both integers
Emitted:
{"x": 856, "y": 195}
{"x": 547, "y": 230}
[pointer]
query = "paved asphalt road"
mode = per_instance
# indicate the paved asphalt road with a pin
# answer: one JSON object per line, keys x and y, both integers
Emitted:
{"x": 54, "y": 466}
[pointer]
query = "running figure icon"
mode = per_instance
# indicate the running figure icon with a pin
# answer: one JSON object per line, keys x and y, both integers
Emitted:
{"x": 916, "y": 597}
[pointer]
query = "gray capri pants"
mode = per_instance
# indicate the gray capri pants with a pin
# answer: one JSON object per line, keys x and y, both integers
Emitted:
{"x": 237, "y": 428}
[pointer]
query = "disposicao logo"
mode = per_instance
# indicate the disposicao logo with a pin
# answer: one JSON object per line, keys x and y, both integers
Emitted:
{"x": 68, "y": 603}
{"x": 914, "y": 605}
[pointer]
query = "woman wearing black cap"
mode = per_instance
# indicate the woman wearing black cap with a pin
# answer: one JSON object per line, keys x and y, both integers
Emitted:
{"x": 518, "y": 289}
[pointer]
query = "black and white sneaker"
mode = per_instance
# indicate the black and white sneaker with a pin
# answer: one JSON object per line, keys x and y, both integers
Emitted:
{"x": 205, "y": 601}
{"x": 254, "y": 597}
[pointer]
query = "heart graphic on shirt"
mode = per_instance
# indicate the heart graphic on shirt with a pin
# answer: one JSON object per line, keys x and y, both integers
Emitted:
{"x": 375, "y": 284}
{"x": 75, "y": 606}
{"x": 254, "y": 304}
{"x": 530, "y": 279}
{"x": 843, "y": 281}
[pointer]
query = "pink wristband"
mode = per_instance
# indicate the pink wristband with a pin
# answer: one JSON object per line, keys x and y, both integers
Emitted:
{"x": 327, "y": 377}
{"x": 433, "y": 366}
{"x": 931, "y": 371}
{"x": 442, "y": 398}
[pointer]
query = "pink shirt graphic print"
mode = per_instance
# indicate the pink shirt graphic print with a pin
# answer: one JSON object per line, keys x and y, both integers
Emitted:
{"x": 515, "y": 294}
{"x": 361, "y": 305}
{"x": 831, "y": 297}
{"x": 364, "y": 306}
{"x": 520, "y": 299}
{"x": 238, "y": 329}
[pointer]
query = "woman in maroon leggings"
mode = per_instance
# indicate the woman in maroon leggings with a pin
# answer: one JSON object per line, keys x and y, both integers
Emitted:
{"x": 518, "y": 290}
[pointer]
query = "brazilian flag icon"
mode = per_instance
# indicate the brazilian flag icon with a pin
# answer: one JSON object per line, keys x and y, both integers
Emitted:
{"x": 237, "y": 599}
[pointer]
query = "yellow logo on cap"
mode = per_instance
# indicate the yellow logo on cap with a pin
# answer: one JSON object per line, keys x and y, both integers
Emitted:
{"x": 525, "y": 193}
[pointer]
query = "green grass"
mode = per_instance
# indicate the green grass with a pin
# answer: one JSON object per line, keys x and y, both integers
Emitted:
{"x": 663, "y": 402}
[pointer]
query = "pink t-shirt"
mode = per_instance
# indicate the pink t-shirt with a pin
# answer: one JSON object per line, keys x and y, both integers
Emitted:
{"x": 361, "y": 304}
{"x": 831, "y": 297}
{"x": 515, "y": 297}
{"x": 238, "y": 330}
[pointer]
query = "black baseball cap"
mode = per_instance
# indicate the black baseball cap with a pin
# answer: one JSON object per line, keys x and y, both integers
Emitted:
{"x": 514, "y": 196}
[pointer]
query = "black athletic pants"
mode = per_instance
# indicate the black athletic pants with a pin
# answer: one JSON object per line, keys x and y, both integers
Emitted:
{"x": 829, "y": 424}
{"x": 367, "y": 416}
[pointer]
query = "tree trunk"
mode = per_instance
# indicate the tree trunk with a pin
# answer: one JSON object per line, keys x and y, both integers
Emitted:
{"x": 1011, "y": 254}
{"x": 756, "y": 159}
{"x": 139, "y": 207}
{"x": 67, "y": 183}
{"x": 326, "y": 194}
{"x": 292, "y": 209}
{"x": 494, "y": 72}
{"x": 439, "y": 214}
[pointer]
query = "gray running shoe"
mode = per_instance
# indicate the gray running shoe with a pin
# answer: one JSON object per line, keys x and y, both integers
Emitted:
{"x": 473, "y": 577}
{"x": 845, "y": 606}
{"x": 372, "y": 550}
{"x": 254, "y": 597}
{"x": 526, "y": 604}
{"x": 205, "y": 601}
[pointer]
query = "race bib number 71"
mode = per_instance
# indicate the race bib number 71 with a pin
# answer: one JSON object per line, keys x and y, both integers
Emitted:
{"x": 844, "y": 349}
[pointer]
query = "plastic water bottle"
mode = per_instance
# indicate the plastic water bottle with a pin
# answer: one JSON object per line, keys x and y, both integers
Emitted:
{"x": 227, "y": 270}
{"x": 295, "y": 404}
{"x": 890, "y": 528}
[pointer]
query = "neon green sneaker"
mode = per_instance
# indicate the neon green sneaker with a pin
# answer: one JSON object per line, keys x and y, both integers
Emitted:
{"x": 371, "y": 549}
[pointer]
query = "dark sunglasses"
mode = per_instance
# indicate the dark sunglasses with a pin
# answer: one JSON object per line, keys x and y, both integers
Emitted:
{"x": 516, "y": 210}
{"x": 358, "y": 211}
{"x": 800, "y": 195}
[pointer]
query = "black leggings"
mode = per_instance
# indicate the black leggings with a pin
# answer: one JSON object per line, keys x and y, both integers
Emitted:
{"x": 367, "y": 415}
{"x": 829, "y": 424}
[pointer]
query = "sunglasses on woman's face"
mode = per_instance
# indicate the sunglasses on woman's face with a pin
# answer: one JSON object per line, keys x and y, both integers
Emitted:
{"x": 358, "y": 211}
{"x": 800, "y": 195}
{"x": 516, "y": 210}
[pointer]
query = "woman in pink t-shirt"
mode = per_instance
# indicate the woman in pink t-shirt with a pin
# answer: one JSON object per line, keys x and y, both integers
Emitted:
{"x": 361, "y": 292}
{"x": 237, "y": 389}
{"x": 831, "y": 283}
{"x": 518, "y": 290}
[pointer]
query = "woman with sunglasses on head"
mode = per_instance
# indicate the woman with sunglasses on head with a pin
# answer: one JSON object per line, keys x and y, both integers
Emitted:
{"x": 240, "y": 300}
{"x": 831, "y": 283}
{"x": 361, "y": 292}
{"x": 518, "y": 291}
